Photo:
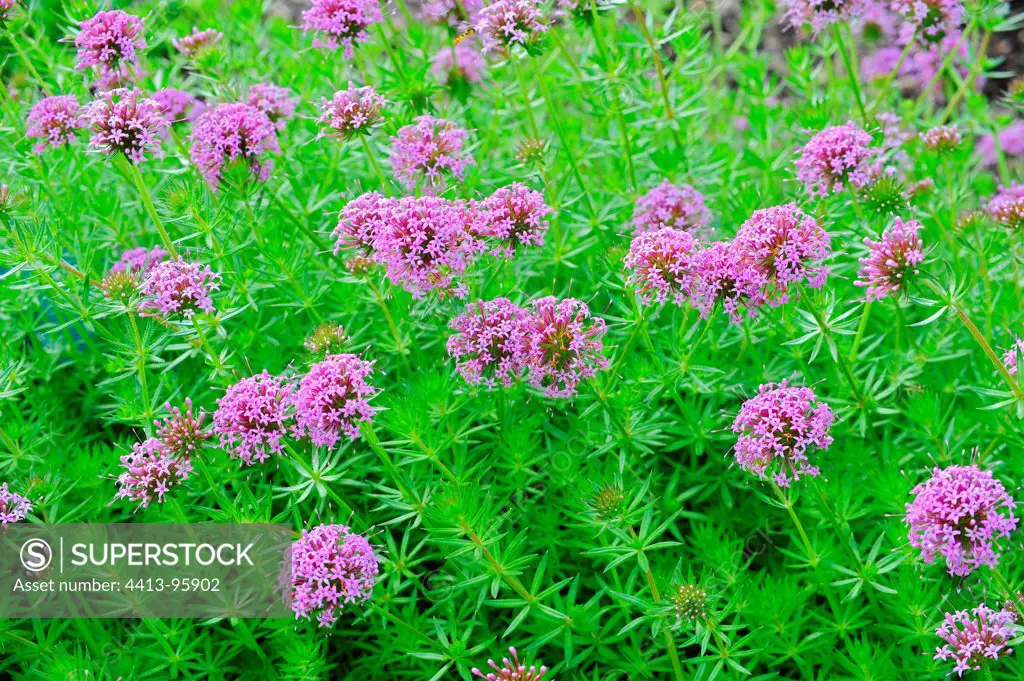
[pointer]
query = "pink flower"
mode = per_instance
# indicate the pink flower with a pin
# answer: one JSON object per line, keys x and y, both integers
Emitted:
{"x": 197, "y": 41}
{"x": 331, "y": 567}
{"x": 564, "y": 345}
{"x": 462, "y": 63}
{"x": 252, "y": 418}
{"x": 127, "y": 122}
{"x": 821, "y": 14}
{"x": 452, "y": 12}
{"x": 943, "y": 138}
{"x": 722, "y": 274}
{"x": 516, "y": 216}
{"x": 930, "y": 21}
{"x": 668, "y": 205}
{"x": 182, "y": 432}
{"x": 429, "y": 152}
{"x": 233, "y": 133}
{"x": 892, "y": 260}
{"x": 108, "y": 40}
{"x": 777, "y": 429}
{"x": 341, "y": 23}
{"x": 975, "y": 636}
{"x": 660, "y": 264}
{"x": 957, "y": 514}
{"x": 13, "y": 506}
{"x": 1007, "y": 206}
{"x": 511, "y": 670}
{"x": 426, "y": 242}
{"x": 351, "y": 112}
{"x": 836, "y": 158}
{"x": 53, "y": 121}
{"x": 275, "y": 101}
{"x": 178, "y": 105}
{"x": 124, "y": 76}
{"x": 490, "y": 343}
{"x": 1011, "y": 140}
{"x": 361, "y": 221}
{"x": 1011, "y": 355}
{"x": 333, "y": 399}
{"x": 140, "y": 260}
{"x": 150, "y": 472}
{"x": 506, "y": 23}
{"x": 788, "y": 246}
{"x": 178, "y": 288}
{"x": 5, "y": 10}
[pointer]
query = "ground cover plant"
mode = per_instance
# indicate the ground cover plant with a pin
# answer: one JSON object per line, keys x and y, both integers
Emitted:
{"x": 575, "y": 340}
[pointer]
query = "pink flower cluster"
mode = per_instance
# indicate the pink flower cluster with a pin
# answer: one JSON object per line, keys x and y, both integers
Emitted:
{"x": 13, "y": 506}
{"x": 668, "y": 205}
{"x": 151, "y": 470}
{"x": 837, "y": 158}
{"x": 140, "y": 260}
{"x": 361, "y": 220}
{"x": 53, "y": 121}
{"x": 178, "y": 288}
{"x": 197, "y": 41}
{"x": 892, "y": 260}
{"x": 942, "y": 138}
{"x": 1011, "y": 354}
{"x": 660, "y": 265}
{"x": 275, "y": 101}
{"x": 505, "y": 24}
{"x": 936, "y": 22}
{"x": 178, "y": 105}
{"x": 959, "y": 513}
{"x": 515, "y": 216}
{"x": 233, "y": 133}
{"x": 1011, "y": 140}
{"x": 109, "y": 40}
{"x": 124, "y": 121}
{"x": 723, "y": 275}
{"x": 777, "y": 428}
{"x": 558, "y": 343}
{"x": 1007, "y": 206}
{"x": 331, "y": 567}
{"x": 252, "y": 417}
{"x": 820, "y": 14}
{"x": 341, "y": 23}
{"x": 460, "y": 64}
{"x": 5, "y": 10}
{"x": 351, "y": 112}
{"x": 429, "y": 152}
{"x": 511, "y": 670}
{"x": 181, "y": 433}
{"x": 333, "y": 399}
{"x": 975, "y": 636}
{"x": 452, "y": 12}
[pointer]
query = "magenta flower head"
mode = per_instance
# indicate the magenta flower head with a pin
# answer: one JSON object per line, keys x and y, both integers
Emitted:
{"x": 837, "y": 158}
{"x": 275, "y": 101}
{"x": 515, "y": 216}
{"x": 182, "y": 432}
{"x": 668, "y": 205}
{"x": 820, "y": 14}
{"x": 1011, "y": 139}
{"x": 178, "y": 288}
{"x": 109, "y": 40}
{"x": 53, "y": 121}
{"x": 331, "y": 567}
{"x": 140, "y": 260}
{"x": 511, "y": 670}
{"x": 723, "y": 275}
{"x": 124, "y": 121}
{"x": 5, "y": 10}
{"x": 252, "y": 418}
{"x": 490, "y": 344}
{"x": 788, "y": 246}
{"x": 892, "y": 261}
{"x": 351, "y": 112}
{"x": 341, "y": 23}
{"x": 1010, "y": 357}
{"x": 1007, "y": 206}
{"x": 361, "y": 221}
{"x": 973, "y": 637}
{"x": 959, "y": 513}
{"x": 13, "y": 506}
{"x": 659, "y": 265}
{"x": 426, "y": 243}
{"x": 197, "y": 41}
{"x": 942, "y": 138}
{"x": 229, "y": 134}
{"x": 460, "y": 64}
{"x": 930, "y": 22}
{"x": 333, "y": 399}
{"x": 178, "y": 105}
{"x": 565, "y": 345}
{"x": 150, "y": 471}
{"x": 777, "y": 429}
{"x": 505, "y": 24}
{"x": 428, "y": 152}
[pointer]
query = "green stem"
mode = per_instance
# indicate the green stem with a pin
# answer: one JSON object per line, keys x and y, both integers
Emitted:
{"x": 969, "y": 80}
{"x": 315, "y": 477}
{"x": 141, "y": 368}
{"x": 524, "y": 92}
{"x": 383, "y": 304}
{"x": 865, "y": 314}
{"x": 147, "y": 201}
{"x": 670, "y": 643}
{"x": 218, "y": 365}
{"x": 373, "y": 162}
{"x": 851, "y": 72}
{"x": 811, "y": 553}
{"x": 394, "y": 57}
{"x": 892, "y": 74}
